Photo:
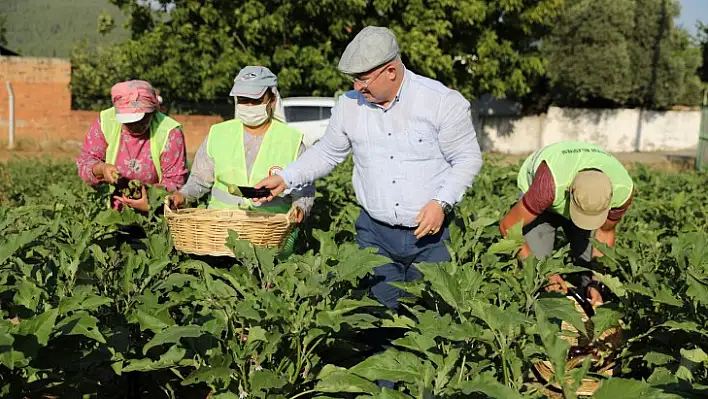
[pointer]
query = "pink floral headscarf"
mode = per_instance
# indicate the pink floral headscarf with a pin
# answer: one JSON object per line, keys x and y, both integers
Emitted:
{"x": 134, "y": 97}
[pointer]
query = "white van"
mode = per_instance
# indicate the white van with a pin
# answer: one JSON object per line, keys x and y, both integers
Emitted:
{"x": 310, "y": 115}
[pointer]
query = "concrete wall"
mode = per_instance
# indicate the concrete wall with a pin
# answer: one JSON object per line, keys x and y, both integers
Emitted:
{"x": 616, "y": 130}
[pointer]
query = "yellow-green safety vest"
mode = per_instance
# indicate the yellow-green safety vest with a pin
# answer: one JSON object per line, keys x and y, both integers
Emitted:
{"x": 279, "y": 148}
{"x": 160, "y": 129}
{"x": 565, "y": 159}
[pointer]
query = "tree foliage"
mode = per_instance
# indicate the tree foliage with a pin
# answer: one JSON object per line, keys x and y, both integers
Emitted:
{"x": 50, "y": 28}
{"x": 622, "y": 53}
{"x": 3, "y": 29}
{"x": 703, "y": 38}
{"x": 192, "y": 49}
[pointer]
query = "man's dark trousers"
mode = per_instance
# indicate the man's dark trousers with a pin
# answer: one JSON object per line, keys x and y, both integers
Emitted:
{"x": 399, "y": 244}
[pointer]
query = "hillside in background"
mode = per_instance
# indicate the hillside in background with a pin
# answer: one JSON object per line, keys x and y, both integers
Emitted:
{"x": 50, "y": 28}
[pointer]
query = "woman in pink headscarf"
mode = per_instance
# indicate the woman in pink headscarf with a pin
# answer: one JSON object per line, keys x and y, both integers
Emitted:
{"x": 133, "y": 140}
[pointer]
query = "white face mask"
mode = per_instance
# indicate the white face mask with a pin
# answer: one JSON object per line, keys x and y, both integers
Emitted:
{"x": 253, "y": 115}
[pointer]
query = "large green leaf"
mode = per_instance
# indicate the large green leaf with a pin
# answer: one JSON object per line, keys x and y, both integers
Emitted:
{"x": 448, "y": 368}
{"x": 172, "y": 335}
{"x": 392, "y": 365}
{"x": 664, "y": 296}
{"x": 416, "y": 342}
{"x": 657, "y": 358}
{"x": 172, "y": 357}
{"x": 355, "y": 263}
{"x": 41, "y": 326}
{"x": 16, "y": 241}
{"x": 506, "y": 322}
{"x": 562, "y": 309}
{"x": 337, "y": 316}
{"x": 209, "y": 375}
{"x": 604, "y": 319}
{"x": 27, "y": 294}
{"x": 83, "y": 299}
{"x": 489, "y": 386}
{"x": 555, "y": 347}
{"x": 341, "y": 381}
{"x": 612, "y": 282}
{"x": 265, "y": 380}
{"x": 688, "y": 326}
{"x": 81, "y": 323}
{"x": 9, "y": 357}
{"x": 690, "y": 360}
{"x": 444, "y": 284}
{"x": 629, "y": 389}
{"x": 151, "y": 321}
{"x": 697, "y": 289}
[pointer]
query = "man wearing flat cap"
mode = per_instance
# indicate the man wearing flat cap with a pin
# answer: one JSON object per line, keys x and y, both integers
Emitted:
{"x": 415, "y": 154}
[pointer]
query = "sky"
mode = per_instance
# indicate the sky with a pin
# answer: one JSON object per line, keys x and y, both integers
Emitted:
{"x": 692, "y": 11}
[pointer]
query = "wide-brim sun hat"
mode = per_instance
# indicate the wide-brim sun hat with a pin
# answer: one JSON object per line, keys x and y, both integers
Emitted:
{"x": 590, "y": 199}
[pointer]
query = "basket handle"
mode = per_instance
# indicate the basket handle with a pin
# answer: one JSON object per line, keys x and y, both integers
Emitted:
{"x": 291, "y": 215}
{"x": 167, "y": 208}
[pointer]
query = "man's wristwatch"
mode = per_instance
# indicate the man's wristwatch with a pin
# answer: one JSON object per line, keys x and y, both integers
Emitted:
{"x": 444, "y": 205}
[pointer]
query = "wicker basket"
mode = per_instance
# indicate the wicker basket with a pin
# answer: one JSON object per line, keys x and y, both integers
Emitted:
{"x": 603, "y": 366}
{"x": 204, "y": 231}
{"x": 587, "y": 386}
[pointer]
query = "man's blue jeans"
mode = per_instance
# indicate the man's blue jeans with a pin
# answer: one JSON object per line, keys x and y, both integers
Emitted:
{"x": 404, "y": 249}
{"x": 401, "y": 246}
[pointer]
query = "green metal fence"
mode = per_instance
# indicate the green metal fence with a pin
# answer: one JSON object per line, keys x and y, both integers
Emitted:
{"x": 702, "y": 154}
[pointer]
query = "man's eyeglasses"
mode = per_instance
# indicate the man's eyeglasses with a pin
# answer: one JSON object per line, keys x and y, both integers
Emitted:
{"x": 364, "y": 83}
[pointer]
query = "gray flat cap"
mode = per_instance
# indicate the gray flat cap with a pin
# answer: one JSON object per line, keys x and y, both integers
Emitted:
{"x": 371, "y": 47}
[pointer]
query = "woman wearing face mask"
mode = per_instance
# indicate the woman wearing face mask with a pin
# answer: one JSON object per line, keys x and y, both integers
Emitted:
{"x": 133, "y": 140}
{"x": 252, "y": 146}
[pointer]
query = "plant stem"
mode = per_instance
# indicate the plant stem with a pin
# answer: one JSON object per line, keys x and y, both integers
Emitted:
{"x": 298, "y": 365}
{"x": 502, "y": 352}
{"x": 303, "y": 393}
{"x": 504, "y": 368}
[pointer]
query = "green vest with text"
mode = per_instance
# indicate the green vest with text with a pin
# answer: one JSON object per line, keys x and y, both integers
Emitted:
{"x": 280, "y": 147}
{"x": 565, "y": 160}
{"x": 160, "y": 129}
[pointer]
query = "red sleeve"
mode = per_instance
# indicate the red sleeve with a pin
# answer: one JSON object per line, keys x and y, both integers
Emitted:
{"x": 173, "y": 161}
{"x": 617, "y": 213}
{"x": 542, "y": 191}
{"x": 92, "y": 152}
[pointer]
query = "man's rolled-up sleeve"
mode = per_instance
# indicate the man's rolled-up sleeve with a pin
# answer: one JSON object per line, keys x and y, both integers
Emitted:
{"x": 458, "y": 143}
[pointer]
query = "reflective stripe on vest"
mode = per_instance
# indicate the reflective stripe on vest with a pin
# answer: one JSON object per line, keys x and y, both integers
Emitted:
{"x": 280, "y": 147}
{"x": 565, "y": 159}
{"x": 160, "y": 129}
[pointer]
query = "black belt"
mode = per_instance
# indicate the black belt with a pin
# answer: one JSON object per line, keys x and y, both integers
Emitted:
{"x": 446, "y": 222}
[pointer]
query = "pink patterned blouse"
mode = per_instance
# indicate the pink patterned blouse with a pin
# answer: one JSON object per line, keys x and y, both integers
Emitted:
{"x": 134, "y": 160}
